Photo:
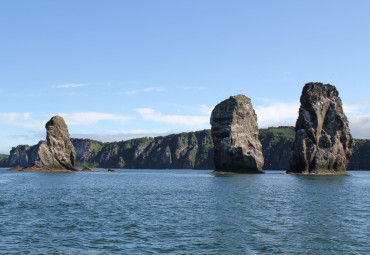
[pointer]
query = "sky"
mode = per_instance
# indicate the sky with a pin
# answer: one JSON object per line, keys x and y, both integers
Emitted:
{"x": 122, "y": 69}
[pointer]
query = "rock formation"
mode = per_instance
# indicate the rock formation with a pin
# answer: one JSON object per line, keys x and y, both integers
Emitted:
{"x": 235, "y": 136}
{"x": 323, "y": 142}
{"x": 193, "y": 150}
{"x": 57, "y": 152}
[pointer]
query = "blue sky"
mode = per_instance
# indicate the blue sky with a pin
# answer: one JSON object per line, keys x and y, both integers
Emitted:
{"x": 121, "y": 69}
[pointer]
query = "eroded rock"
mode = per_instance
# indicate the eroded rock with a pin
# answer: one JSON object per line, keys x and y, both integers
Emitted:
{"x": 323, "y": 142}
{"x": 235, "y": 136}
{"x": 57, "y": 152}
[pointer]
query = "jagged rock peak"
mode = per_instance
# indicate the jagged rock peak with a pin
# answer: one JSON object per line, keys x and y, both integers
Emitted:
{"x": 58, "y": 151}
{"x": 235, "y": 136}
{"x": 323, "y": 142}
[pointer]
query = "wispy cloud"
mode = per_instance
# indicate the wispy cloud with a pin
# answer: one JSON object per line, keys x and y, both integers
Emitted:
{"x": 360, "y": 126}
{"x": 205, "y": 109}
{"x": 277, "y": 112}
{"x": 182, "y": 120}
{"x": 145, "y": 90}
{"x": 91, "y": 118}
{"x": 357, "y": 107}
{"x": 361, "y": 101}
{"x": 21, "y": 120}
{"x": 75, "y": 118}
{"x": 130, "y": 92}
{"x": 70, "y": 85}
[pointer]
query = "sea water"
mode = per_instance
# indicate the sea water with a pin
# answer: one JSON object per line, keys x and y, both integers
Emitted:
{"x": 183, "y": 212}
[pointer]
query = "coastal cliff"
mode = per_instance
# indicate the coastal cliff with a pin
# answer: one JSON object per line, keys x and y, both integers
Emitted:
{"x": 4, "y": 160}
{"x": 276, "y": 147}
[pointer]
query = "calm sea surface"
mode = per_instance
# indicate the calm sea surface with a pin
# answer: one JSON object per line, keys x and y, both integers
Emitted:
{"x": 183, "y": 212}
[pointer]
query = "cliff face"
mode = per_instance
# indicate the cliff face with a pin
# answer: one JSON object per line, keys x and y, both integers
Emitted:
{"x": 192, "y": 150}
{"x": 86, "y": 152}
{"x": 361, "y": 155}
{"x": 4, "y": 160}
{"x": 235, "y": 136}
{"x": 323, "y": 142}
{"x": 276, "y": 147}
{"x": 24, "y": 155}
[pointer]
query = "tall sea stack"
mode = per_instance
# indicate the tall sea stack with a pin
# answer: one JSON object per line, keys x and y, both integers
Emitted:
{"x": 235, "y": 136}
{"x": 323, "y": 142}
{"x": 57, "y": 152}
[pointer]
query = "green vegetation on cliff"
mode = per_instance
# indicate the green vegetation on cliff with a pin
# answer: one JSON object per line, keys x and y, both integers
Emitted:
{"x": 4, "y": 160}
{"x": 276, "y": 146}
{"x": 178, "y": 151}
{"x": 361, "y": 155}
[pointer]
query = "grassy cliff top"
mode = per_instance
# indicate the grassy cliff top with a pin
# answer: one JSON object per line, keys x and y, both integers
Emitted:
{"x": 285, "y": 132}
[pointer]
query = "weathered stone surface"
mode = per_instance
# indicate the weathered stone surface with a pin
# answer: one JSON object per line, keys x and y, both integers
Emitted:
{"x": 235, "y": 136}
{"x": 323, "y": 142}
{"x": 57, "y": 152}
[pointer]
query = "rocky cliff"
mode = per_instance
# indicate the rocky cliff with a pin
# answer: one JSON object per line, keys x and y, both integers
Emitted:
{"x": 360, "y": 159}
{"x": 57, "y": 152}
{"x": 191, "y": 150}
{"x": 235, "y": 136}
{"x": 276, "y": 148}
{"x": 24, "y": 155}
{"x": 323, "y": 142}
{"x": 4, "y": 160}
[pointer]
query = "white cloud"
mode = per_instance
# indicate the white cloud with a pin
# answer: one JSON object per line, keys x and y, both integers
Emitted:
{"x": 278, "y": 112}
{"x": 205, "y": 109}
{"x": 131, "y": 92}
{"x": 146, "y": 90}
{"x": 182, "y": 120}
{"x": 76, "y": 118}
{"x": 360, "y": 126}
{"x": 91, "y": 118}
{"x": 361, "y": 101}
{"x": 70, "y": 85}
{"x": 357, "y": 107}
{"x": 21, "y": 120}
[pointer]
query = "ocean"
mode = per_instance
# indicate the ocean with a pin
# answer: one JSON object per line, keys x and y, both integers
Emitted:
{"x": 183, "y": 212}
